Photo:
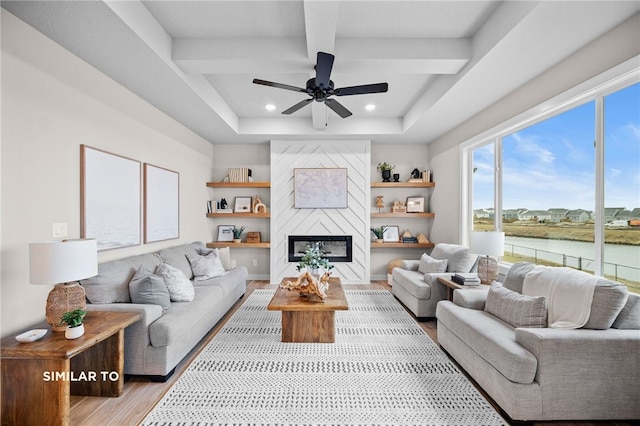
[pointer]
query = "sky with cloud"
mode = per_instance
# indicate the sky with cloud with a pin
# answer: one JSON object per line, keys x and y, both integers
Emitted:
{"x": 552, "y": 163}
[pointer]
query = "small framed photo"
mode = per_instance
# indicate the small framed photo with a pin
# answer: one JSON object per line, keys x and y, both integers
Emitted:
{"x": 242, "y": 205}
{"x": 415, "y": 204}
{"x": 391, "y": 234}
{"x": 225, "y": 232}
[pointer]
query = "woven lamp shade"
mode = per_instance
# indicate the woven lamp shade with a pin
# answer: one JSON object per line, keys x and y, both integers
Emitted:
{"x": 63, "y": 263}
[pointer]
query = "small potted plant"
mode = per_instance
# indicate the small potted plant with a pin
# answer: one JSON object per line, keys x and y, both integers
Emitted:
{"x": 73, "y": 319}
{"x": 312, "y": 260}
{"x": 379, "y": 232}
{"x": 237, "y": 234}
{"x": 385, "y": 170}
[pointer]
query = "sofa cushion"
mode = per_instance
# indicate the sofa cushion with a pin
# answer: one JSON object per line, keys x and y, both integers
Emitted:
{"x": 458, "y": 257}
{"x": 177, "y": 257}
{"x": 516, "y": 309}
{"x": 490, "y": 338}
{"x": 609, "y": 297}
{"x": 111, "y": 285}
{"x": 205, "y": 267}
{"x": 149, "y": 289}
{"x": 629, "y": 317}
{"x": 430, "y": 265}
{"x": 180, "y": 288}
{"x": 413, "y": 282}
{"x": 515, "y": 277}
{"x": 223, "y": 252}
{"x": 183, "y": 321}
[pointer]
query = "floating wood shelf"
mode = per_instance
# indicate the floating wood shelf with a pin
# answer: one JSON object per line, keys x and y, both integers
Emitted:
{"x": 239, "y": 184}
{"x": 402, "y": 184}
{"x": 245, "y": 215}
{"x": 405, "y": 215}
{"x": 402, "y": 245}
{"x": 231, "y": 244}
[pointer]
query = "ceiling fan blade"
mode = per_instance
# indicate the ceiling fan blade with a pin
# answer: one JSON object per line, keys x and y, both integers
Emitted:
{"x": 279, "y": 85}
{"x": 361, "y": 90}
{"x": 297, "y": 106}
{"x": 338, "y": 108}
{"x": 324, "y": 64}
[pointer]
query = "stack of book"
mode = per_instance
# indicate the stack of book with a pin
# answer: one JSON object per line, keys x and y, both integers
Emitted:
{"x": 465, "y": 279}
{"x": 410, "y": 240}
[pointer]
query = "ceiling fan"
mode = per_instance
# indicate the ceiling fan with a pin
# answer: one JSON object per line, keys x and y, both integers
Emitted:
{"x": 321, "y": 88}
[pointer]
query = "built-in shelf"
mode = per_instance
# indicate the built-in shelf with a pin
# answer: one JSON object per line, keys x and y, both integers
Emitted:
{"x": 231, "y": 244}
{"x": 405, "y": 215}
{"x": 401, "y": 245}
{"x": 245, "y": 215}
{"x": 239, "y": 184}
{"x": 402, "y": 184}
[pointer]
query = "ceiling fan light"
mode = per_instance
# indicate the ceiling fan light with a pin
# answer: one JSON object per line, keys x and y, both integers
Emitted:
{"x": 370, "y": 107}
{"x": 270, "y": 107}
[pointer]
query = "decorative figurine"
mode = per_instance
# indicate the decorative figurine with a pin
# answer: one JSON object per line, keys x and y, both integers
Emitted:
{"x": 379, "y": 203}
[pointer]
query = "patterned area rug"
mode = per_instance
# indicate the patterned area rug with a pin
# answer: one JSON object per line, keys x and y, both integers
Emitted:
{"x": 382, "y": 370}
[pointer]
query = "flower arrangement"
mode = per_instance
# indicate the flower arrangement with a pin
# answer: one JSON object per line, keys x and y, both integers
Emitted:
{"x": 385, "y": 167}
{"x": 312, "y": 259}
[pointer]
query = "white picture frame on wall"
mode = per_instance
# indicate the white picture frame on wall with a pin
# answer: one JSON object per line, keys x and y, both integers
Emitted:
{"x": 110, "y": 198}
{"x": 161, "y": 204}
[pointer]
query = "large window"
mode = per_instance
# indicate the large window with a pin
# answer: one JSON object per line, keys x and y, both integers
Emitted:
{"x": 564, "y": 192}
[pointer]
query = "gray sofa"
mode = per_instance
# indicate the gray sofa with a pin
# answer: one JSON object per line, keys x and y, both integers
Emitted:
{"x": 161, "y": 339}
{"x": 544, "y": 373}
{"x": 417, "y": 287}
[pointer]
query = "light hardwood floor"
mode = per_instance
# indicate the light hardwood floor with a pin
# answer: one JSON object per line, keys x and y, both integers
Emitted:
{"x": 140, "y": 395}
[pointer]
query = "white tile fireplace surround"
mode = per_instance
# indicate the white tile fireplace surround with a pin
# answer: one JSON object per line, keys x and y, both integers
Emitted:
{"x": 286, "y": 220}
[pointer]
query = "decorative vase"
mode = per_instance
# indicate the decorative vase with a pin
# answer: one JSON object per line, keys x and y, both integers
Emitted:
{"x": 315, "y": 272}
{"x": 379, "y": 240}
{"x": 237, "y": 240}
{"x": 386, "y": 175}
{"x": 74, "y": 332}
{"x": 396, "y": 177}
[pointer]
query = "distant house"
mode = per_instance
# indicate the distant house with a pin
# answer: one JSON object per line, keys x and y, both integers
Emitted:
{"x": 556, "y": 215}
{"x": 483, "y": 214}
{"x": 510, "y": 214}
{"x": 610, "y": 213}
{"x": 539, "y": 215}
{"x": 578, "y": 215}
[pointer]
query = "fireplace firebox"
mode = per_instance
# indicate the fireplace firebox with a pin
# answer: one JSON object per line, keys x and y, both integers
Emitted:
{"x": 336, "y": 248}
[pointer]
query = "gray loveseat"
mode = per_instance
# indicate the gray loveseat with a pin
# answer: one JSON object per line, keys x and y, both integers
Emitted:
{"x": 416, "y": 285}
{"x": 161, "y": 339}
{"x": 542, "y": 373}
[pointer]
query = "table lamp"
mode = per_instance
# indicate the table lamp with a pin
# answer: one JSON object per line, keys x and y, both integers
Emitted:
{"x": 63, "y": 263}
{"x": 487, "y": 244}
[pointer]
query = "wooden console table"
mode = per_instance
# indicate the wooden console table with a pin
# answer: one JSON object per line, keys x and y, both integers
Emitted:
{"x": 452, "y": 285}
{"x": 309, "y": 319}
{"x": 38, "y": 377}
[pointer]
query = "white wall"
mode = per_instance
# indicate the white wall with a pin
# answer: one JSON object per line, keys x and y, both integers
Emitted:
{"x": 51, "y": 103}
{"x": 615, "y": 47}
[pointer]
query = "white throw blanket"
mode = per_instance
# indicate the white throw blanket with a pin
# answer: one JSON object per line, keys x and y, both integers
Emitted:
{"x": 568, "y": 292}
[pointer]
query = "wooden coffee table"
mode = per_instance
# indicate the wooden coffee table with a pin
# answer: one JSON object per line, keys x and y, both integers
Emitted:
{"x": 307, "y": 319}
{"x": 38, "y": 377}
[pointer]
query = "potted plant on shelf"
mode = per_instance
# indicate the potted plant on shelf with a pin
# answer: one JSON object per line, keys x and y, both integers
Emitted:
{"x": 384, "y": 169}
{"x": 73, "y": 319}
{"x": 312, "y": 260}
{"x": 237, "y": 234}
{"x": 379, "y": 232}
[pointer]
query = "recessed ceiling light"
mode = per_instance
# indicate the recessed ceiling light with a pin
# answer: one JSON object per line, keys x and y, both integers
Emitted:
{"x": 270, "y": 107}
{"x": 370, "y": 107}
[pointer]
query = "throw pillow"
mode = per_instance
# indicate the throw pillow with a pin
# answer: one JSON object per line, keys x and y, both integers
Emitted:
{"x": 629, "y": 317}
{"x": 430, "y": 265}
{"x": 147, "y": 288}
{"x": 206, "y": 267}
{"x": 516, "y": 309}
{"x": 180, "y": 288}
{"x": 225, "y": 256}
{"x": 458, "y": 257}
{"x": 515, "y": 277}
